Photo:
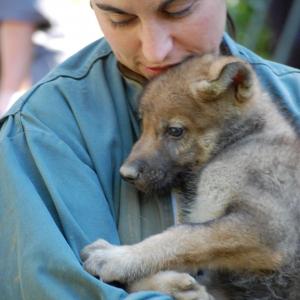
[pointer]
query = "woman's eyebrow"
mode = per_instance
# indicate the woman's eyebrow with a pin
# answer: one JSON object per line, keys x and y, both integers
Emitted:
{"x": 110, "y": 8}
{"x": 164, "y": 4}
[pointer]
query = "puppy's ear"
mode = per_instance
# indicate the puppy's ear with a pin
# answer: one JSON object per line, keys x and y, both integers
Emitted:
{"x": 235, "y": 75}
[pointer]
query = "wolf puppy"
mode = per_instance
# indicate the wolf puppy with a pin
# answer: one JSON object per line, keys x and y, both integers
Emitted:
{"x": 213, "y": 136}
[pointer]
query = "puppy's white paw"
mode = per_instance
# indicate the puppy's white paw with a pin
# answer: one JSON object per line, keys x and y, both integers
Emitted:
{"x": 108, "y": 262}
{"x": 181, "y": 286}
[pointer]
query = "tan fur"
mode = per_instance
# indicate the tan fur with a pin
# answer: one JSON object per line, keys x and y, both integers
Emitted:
{"x": 214, "y": 136}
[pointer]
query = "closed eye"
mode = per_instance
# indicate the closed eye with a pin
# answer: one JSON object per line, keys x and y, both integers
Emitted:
{"x": 177, "y": 8}
{"x": 122, "y": 20}
{"x": 116, "y": 16}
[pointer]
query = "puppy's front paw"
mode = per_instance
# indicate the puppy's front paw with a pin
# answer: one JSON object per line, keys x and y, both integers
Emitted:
{"x": 108, "y": 262}
{"x": 181, "y": 286}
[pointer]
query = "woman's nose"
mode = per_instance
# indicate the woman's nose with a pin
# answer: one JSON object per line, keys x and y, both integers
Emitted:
{"x": 156, "y": 43}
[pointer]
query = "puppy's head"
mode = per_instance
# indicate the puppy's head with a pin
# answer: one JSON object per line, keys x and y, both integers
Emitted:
{"x": 184, "y": 111}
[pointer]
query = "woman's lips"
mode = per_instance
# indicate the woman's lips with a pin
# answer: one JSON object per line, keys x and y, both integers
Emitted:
{"x": 158, "y": 70}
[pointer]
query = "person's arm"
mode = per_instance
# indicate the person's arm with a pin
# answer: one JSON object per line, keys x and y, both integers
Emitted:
{"x": 16, "y": 50}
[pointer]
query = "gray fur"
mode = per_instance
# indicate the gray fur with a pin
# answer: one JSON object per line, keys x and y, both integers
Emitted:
{"x": 236, "y": 173}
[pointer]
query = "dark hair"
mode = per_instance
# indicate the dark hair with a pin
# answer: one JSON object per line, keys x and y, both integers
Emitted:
{"x": 231, "y": 29}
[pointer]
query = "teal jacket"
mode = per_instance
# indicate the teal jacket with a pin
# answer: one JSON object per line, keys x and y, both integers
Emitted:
{"x": 61, "y": 147}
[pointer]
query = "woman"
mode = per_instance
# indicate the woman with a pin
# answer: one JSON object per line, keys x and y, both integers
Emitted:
{"x": 62, "y": 145}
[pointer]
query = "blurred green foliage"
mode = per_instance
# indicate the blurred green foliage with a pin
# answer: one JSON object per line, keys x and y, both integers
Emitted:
{"x": 252, "y": 30}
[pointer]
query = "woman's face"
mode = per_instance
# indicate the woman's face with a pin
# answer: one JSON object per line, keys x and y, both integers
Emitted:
{"x": 148, "y": 36}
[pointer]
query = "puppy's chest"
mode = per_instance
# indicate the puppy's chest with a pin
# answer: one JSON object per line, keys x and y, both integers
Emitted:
{"x": 205, "y": 208}
{"x": 201, "y": 209}
{"x": 213, "y": 194}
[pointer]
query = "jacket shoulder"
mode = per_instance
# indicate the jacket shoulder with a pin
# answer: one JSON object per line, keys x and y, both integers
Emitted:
{"x": 281, "y": 81}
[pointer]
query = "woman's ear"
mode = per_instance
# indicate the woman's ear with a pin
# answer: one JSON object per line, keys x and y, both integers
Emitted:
{"x": 236, "y": 76}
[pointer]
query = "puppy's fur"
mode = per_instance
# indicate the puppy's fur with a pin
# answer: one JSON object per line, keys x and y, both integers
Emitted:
{"x": 214, "y": 136}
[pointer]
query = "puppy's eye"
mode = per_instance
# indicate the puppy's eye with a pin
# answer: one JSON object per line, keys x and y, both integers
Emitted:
{"x": 176, "y": 132}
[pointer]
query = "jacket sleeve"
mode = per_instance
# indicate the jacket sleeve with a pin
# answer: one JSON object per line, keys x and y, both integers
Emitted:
{"x": 52, "y": 205}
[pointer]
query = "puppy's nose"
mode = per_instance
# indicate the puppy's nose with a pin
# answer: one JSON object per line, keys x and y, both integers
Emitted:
{"x": 131, "y": 171}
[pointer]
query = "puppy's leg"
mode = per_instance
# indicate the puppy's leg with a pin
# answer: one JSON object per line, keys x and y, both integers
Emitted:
{"x": 237, "y": 241}
{"x": 181, "y": 286}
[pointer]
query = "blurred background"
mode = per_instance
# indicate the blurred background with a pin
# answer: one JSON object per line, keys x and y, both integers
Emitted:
{"x": 271, "y": 28}
{"x": 35, "y": 36}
